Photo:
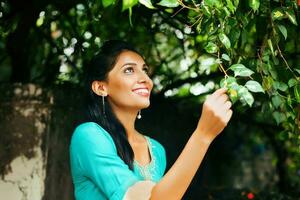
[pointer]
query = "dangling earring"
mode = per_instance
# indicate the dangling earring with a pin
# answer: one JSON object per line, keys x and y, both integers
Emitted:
{"x": 103, "y": 106}
{"x": 139, "y": 116}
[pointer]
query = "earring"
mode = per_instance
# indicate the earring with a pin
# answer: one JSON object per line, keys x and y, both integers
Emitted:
{"x": 103, "y": 105}
{"x": 139, "y": 116}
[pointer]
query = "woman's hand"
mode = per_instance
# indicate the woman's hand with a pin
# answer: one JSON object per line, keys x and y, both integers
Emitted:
{"x": 215, "y": 115}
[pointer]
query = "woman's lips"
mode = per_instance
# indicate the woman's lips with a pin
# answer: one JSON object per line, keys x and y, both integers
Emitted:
{"x": 142, "y": 91}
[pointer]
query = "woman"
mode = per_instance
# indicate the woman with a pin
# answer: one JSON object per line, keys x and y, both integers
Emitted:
{"x": 112, "y": 160}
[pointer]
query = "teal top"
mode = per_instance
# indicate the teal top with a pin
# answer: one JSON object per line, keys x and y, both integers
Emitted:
{"x": 98, "y": 172}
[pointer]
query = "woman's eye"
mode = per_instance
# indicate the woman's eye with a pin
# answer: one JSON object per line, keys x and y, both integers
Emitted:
{"x": 128, "y": 70}
{"x": 146, "y": 69}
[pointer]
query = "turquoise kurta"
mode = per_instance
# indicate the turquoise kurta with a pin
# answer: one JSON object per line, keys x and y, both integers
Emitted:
{"x": 98, "y": 172}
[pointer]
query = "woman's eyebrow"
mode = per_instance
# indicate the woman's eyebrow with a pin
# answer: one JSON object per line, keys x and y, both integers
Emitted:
{"x": 133, "y": 64}
{"x": 128, "y": 64}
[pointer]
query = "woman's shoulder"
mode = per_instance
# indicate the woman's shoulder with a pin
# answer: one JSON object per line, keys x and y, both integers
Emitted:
{"x": 90, "y": 132}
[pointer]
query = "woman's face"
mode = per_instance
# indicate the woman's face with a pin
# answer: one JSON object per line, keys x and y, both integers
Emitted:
{"x": 129, "y": 85}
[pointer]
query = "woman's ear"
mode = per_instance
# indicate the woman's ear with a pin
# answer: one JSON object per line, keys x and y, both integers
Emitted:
{"x": 99, "y": 88}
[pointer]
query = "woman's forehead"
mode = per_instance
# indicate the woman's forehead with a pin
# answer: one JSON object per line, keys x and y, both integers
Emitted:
{"x": 130, "y": 56}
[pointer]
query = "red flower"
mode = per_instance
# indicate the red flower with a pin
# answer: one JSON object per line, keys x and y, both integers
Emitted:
{"x": 298, "y": 2}
{"x": 250, "y": 194}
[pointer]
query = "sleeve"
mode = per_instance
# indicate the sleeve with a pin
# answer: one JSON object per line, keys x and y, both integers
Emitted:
{"x": 163, "y": 160}
{"x": 98, "y": 160}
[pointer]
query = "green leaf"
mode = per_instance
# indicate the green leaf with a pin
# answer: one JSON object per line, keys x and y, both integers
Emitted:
{"x": 233, "y": 95}
{"x": 225, "y": 57}
{"x": 236, "y": 2}
{"x": 277, "y": 101}
{"x": 147, "y": 3}
{"x": 297, "y": 92}
{"x": 241, "y": 70}
{"x": 212, "y": 3}
{"x": 267, "y": 82}
{"x": 254, "y": 86}
{"x": 232, "y": 86}
{"x": 292, "y": 82}
{"x": 245, "y": 96}
{"x": 206, "y": 11}
{"x": 228, "y": 82}
{"x": 169, "y": 3}
{"x": 230, "y": 6}
{"x": 107, "y": 3}
{"x": 297, "y": 70}
{"x": 291, "y": 16}
{"x": 128, "y": 4}
{"x": 254, "y": 4}
{"x": 283, "y": 30}
{"x": 279, "y": 117}
{"x": 280, "y": 86}
{"x": 271, "y": 46}
{"x": 211, "y": 47}
{"x": 225, "y": 40}
{"x": 278, "y": 14}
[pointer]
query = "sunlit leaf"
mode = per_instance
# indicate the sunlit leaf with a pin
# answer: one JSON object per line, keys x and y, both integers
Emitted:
{"x": 225, "y": 40}
{"x": 232, "y": 88}
{"x": 297, "y": 92}
{"x": 213, "y": 3}
{"x": 297, "y": 70}
{"x": 40, "y": 21}
{"x": 254, "y": 4}
{"x": 230, "y": 6}
{"x": 225, "y": 57}
{"x": 277, "y": 14}
{"x": 169, "y": 3}
{"x": 147, "y": 3}
{"x": 228, "y": 82}
{"x": 245, "y": 96}
{"x": 211, "y": 47}
{"x": 241, "y": 70}
{"x": 233, "y": 95}
{"x": 271, "y": 46}
{"x": 254, "y": 86}
{"x": 283, "y": 30}
{"x": 291, "y": 16}
{"x": 107, "y": 3}
{"x": 128, "y": 4}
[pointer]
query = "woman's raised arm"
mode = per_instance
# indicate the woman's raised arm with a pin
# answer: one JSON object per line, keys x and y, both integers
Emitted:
{"x": 215, "y": 115}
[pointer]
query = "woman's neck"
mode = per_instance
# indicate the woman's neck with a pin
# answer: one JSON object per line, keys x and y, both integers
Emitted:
{"x": 127, "y": 118}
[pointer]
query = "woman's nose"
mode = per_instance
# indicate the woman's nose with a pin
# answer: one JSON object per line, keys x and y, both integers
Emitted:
{"x": 143, "y": 77}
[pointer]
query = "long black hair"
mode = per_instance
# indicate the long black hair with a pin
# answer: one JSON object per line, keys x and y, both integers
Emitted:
{"x": 98, "y": 69}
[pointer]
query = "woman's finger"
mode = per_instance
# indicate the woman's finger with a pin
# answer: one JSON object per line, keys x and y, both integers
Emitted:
{"x": 223, "y": 98}
{"x": 219, "y": 92}
{"x": 228, "y": 116}
{"x": 227, "y": 105}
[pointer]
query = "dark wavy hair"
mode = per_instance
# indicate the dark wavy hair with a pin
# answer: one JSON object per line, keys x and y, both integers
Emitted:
{"x": 98, "y": 69}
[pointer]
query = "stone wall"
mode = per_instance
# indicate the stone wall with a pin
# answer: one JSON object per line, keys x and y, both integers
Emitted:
{"x": 36, "y": 125}
{"x": 23, "y": 155}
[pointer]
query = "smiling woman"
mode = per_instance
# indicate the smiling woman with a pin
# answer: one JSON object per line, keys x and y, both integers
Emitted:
{"x": 109, "y": 158}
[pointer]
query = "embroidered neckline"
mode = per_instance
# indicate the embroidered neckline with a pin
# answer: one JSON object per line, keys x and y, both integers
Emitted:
{"x": 147, "y": 170}
{"x": 151, "y": 154}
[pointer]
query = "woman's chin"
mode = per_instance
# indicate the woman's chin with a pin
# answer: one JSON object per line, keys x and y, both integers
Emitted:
{"x": 143, "y": 105}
